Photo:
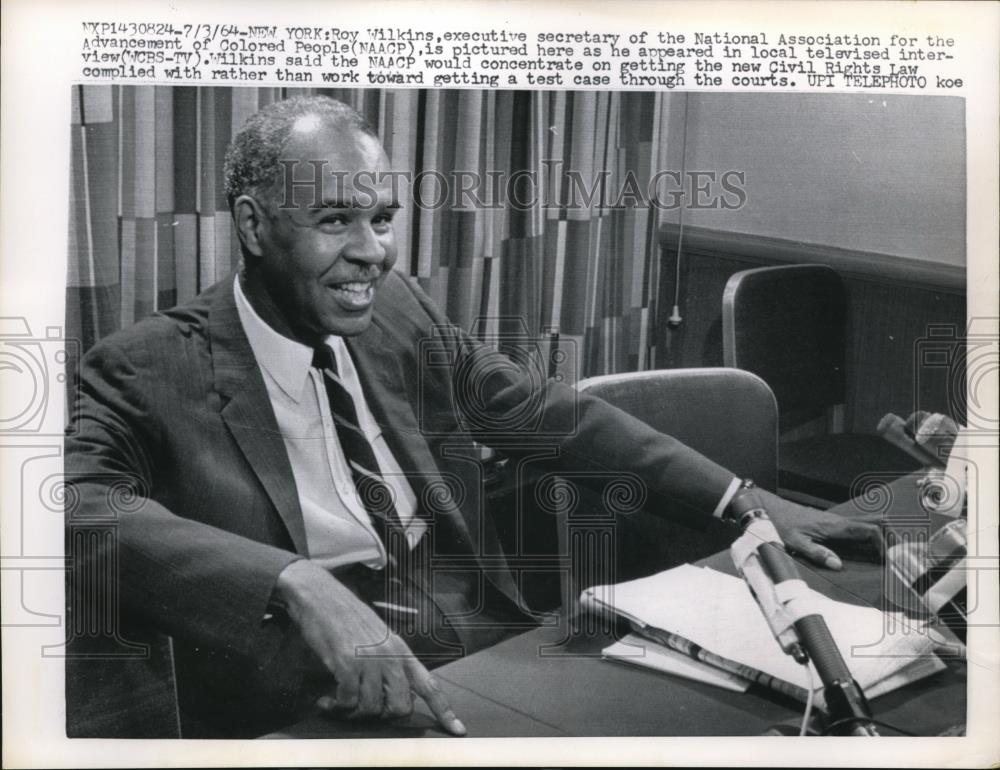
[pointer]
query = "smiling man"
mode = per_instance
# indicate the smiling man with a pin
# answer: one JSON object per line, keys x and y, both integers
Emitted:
{"x": 305, "y": 526}
{"x": 316, "y": 249}
{"x": 316, "y": 252}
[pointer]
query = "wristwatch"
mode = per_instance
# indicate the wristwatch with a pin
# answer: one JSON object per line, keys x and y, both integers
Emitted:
{"x": 733, "y": 512}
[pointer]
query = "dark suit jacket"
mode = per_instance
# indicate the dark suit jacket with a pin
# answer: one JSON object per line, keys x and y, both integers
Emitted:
{"x": 176, "y": 449}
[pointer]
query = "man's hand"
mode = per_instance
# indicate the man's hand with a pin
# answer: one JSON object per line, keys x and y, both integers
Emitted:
{"x": 376, "y": 673}
{"x": 803, "y": 528}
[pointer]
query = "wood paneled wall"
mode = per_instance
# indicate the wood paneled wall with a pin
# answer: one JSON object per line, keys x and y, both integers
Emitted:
{"x": 894, "y": 304}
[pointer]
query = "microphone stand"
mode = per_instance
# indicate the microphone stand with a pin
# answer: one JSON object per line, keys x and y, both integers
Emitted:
{"x": 783, "y": 598}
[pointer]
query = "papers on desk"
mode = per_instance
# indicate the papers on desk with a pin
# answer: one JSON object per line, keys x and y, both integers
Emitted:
{"x": 712, "y": 617}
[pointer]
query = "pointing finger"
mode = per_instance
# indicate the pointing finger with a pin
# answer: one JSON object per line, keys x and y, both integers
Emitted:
{"x": 427, "y": 688}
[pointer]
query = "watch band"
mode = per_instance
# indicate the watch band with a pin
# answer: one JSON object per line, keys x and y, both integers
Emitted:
{"x": 746, "y": 487}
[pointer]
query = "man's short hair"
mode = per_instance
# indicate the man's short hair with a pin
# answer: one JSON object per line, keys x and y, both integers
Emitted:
{"x": 251, "y": 166}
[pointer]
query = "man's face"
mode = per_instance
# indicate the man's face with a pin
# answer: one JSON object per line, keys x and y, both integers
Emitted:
{"x": 327, "y": 248}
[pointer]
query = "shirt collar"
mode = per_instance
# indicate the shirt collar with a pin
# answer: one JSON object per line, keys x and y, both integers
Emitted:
{"x": 287, "y": 361}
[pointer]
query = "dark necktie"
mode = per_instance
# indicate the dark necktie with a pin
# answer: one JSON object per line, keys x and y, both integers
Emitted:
{"x": 374, "y": 494}
{"x": 402, "y": 594}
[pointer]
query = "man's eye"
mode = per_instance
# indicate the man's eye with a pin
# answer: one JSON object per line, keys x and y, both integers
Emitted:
{"x": 333, "y": 221}
{"x": 383, "y": 219}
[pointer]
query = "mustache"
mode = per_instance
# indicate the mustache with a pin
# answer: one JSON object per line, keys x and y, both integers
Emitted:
{"x": 371, "y": 273}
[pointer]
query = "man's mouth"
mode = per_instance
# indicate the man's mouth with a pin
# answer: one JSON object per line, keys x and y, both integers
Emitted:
{"x": 354, "y": 295}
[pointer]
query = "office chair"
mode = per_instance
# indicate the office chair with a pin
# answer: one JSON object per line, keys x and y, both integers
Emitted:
{"x": 728, "y": 415}
{"x": 787, "y": 324}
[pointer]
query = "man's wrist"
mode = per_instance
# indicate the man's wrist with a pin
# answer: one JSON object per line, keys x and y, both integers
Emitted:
{"x": 287, "y": 586}
{"x": 745, "y": 488}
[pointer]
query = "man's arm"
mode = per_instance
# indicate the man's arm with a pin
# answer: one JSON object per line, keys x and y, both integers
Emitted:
{"x": 213, "y": 588}
{"x": 594, "y": 436}
{"x": 185, "y": 578}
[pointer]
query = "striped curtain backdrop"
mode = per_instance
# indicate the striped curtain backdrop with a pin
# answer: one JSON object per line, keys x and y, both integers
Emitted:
{"x": 149, "y": 224}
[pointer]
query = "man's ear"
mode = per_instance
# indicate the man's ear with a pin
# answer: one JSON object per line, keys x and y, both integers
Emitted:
{"x": 250, "y": 220}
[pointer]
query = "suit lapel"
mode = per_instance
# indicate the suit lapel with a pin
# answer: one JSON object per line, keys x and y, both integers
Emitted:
{"x": 376, "y": 356}
{"x": 248, "y": 414}
{"x": 250, "y": 419}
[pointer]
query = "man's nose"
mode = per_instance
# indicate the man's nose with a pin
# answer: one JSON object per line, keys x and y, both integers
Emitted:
{"x": 364, "y": 245}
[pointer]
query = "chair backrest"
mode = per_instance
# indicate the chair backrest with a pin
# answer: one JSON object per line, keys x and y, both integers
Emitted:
{"x": 728, "y": 415}
{"x": 787, "y": 324}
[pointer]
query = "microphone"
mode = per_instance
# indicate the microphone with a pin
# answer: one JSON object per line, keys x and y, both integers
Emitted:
{"x": 846, "y": 704}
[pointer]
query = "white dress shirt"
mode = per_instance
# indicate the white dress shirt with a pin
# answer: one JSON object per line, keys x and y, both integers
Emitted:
{"x": 338, "y": 528}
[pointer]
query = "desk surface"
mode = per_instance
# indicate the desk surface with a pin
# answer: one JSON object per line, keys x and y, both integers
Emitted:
{"x": 551, "y": 682}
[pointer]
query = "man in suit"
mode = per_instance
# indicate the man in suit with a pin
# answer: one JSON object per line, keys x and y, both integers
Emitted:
{"x": 296, "y": 446}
